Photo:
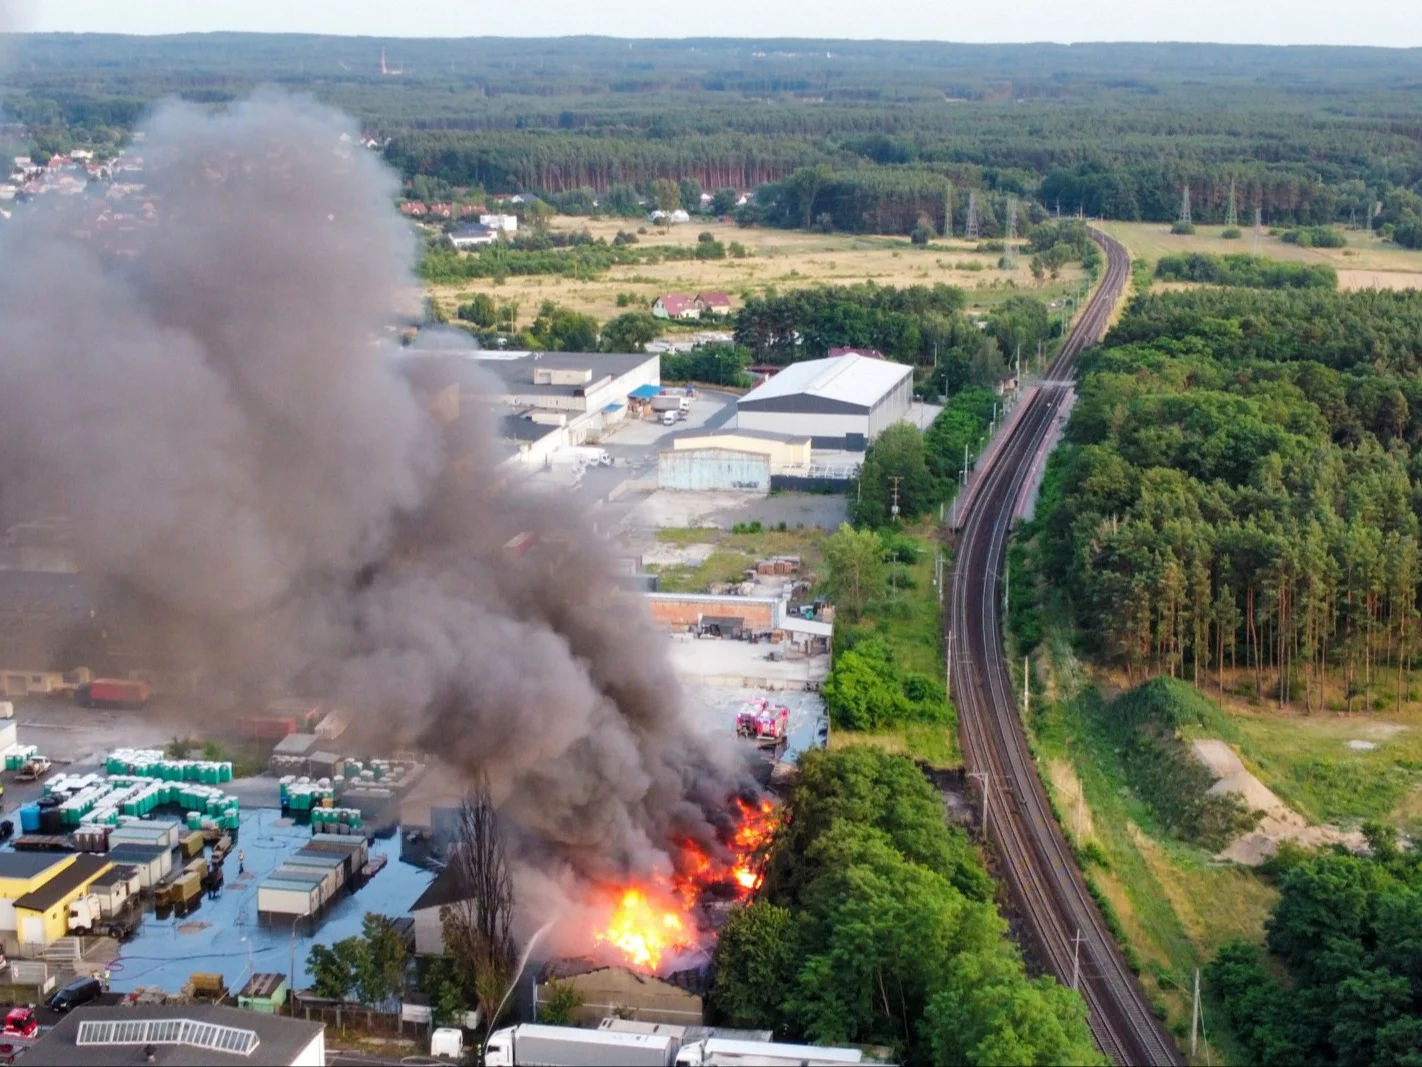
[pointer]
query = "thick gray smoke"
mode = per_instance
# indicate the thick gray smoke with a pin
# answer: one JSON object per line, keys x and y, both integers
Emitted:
{"x": 221, "y": 416}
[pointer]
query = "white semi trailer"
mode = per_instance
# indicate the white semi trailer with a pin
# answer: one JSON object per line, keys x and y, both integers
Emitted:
{"x": 529, "y": 1044}
{"x": 721, "y": 1052}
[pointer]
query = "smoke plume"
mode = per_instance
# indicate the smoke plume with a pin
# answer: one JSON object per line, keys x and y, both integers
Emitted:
{"x": 215, "y": 397}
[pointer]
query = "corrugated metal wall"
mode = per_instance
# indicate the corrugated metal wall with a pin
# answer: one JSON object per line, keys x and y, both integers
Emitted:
{"x": 710, "y": 469}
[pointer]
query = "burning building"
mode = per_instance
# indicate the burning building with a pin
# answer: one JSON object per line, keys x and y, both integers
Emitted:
{"x": 220, "y": 420}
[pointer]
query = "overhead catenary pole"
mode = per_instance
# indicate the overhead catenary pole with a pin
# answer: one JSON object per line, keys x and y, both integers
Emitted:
{"x": 986, "y": 777}
{"x": 1076, "y": 960}
{"x": 1195, "y": 1018}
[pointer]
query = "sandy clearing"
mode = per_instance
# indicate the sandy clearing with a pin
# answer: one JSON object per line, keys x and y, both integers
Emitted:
{"x": 1076, "y": 814}
{"x": 1280, "y": 822}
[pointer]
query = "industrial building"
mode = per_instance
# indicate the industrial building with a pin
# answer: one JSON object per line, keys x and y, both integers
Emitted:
{"x": 605, "y": 991}
{"x": 549, "y": 400}
{"x": 43, "y": 913}
{"x": 187, "y": 1034}
{"x": 784, "y": 450}
{"x": 731, "y": 460}
{"x": 690, "y": 611}
{"x": 841, "y": 403}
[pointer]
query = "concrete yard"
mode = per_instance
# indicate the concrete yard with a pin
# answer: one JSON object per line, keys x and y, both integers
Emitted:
{"x": 673, "y": 509}
{"x": 715, "y": 662}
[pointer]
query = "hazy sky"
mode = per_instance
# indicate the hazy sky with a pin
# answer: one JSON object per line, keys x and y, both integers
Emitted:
{"x": 1375, "y": 22}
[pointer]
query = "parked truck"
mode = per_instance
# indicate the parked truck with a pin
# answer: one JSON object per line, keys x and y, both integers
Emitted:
{"x": 535, "y": 1044}
{"x": 32, "y": 769}
{"x": 670, "y": 402}
{"x": 88, "y": 916}
{"x": 113, "y": 693}
{"x": 721, "y": 1052}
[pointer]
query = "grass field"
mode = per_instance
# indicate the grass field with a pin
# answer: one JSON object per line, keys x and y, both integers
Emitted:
{"x": 731, "y": 554}
{"x": 785, "y": 259}
{"x": 1175, "y": 905}
{"x": 1366, "y": 262}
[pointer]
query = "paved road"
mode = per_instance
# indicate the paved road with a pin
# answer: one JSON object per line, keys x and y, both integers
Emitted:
{"x": 1068, "y": 928}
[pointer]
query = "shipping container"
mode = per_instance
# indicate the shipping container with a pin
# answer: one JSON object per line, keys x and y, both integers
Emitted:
{"x": 114, "y": 693}
{"x": 153, "y": 862}
{"x": 266, "y": 728}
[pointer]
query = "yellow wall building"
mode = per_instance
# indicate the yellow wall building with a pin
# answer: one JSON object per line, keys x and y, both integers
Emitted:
{"x": 784, "y": 450}
{"x": 42, "y": 914}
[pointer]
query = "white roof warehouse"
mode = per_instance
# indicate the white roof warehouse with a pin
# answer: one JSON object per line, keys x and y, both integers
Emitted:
{"x": 843, "y": 402}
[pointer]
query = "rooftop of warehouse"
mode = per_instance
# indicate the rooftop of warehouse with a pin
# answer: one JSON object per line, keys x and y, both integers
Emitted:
{"x": 279, "y": 1040}
{"x": 851, "y": 379}
{"x": 28, "y": 864}
{"x": 85, "y": 866}
{"x": 731, "y": 431}
{"x": 433, "y": 369}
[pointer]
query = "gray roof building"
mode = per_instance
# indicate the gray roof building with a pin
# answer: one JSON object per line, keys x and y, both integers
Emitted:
{"x": 844, "y": 402}
{"x": 191, "y": 1035}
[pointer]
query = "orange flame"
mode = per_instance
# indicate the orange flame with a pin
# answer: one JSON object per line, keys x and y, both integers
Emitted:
{"x": 643, "y": 931}
{"x": 647, "y": 922}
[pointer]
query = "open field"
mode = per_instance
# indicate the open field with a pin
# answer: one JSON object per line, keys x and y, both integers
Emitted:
{"x": 1175, "y": 904}
{"x": 785, "y": 259}
{"x": 1367, "y": 262}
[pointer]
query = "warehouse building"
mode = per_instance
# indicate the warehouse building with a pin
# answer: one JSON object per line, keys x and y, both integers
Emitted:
{"x": 43, "y": 913}
{"x": 841, "y": 403}
{"x": 208, "y": 1034}
{"x": 785, "y": 451}
{"x": 713, "y": 469}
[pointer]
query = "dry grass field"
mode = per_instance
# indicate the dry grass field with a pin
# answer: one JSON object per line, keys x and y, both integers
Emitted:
{"x": 1366, "y": 263}
{"x": 784, "y": 259}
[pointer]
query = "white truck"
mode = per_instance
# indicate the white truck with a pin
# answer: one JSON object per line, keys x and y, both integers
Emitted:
{"x": 672, "y": 402}
{"x": 721, "y": 1052}
{"x": 531, "y": 1043}
{"x": 580, "y": 456}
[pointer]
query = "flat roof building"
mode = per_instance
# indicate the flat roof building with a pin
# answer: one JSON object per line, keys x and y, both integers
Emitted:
{"x": 841, "y": 403}
{"x": 181, "y": 1035}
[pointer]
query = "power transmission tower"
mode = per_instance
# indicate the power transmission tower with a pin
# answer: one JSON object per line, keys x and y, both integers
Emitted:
{"x": 1231, "y": 212}
{"x": 1008, "y": 257}
{"x": 1184, "y": 219}
{"x": 948, "y": 211}
{"x": 1258, "y": 227}
{"x": 1370, "y": 214}
{"x": 970, "y": 230}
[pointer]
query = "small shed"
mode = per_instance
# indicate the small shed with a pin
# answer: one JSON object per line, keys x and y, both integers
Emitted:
{"x": 264, "y": 992}
{"x": 354, "y": 851}
{"x": 331, "y": 864}
{"x": 723, "y": 625}
{"x": 295, "y": 745}
{"x": 324, "y": 764}
{"x": 291, "y": 893}
{"x": 154, "y": 862}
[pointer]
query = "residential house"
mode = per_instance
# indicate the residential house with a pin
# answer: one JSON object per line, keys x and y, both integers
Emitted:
{"x": 501, "y": 223}
{"x": 472, "y": 236}
{"x": 677, "y": 306}
{"x": 711, "y": 302}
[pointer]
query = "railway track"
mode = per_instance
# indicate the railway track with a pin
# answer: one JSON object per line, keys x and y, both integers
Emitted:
{"x": 1068, "y": 928}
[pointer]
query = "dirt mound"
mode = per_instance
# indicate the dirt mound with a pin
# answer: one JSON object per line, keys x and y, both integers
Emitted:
{"x": 1280, "y": 822}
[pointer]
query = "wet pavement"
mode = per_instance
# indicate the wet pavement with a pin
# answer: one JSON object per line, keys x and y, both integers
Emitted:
{"x": 225, "y": 935}
{"x": 716, "y": 707}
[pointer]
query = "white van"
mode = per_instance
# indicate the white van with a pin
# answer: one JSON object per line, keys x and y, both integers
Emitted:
{"x": 668, "y": 418}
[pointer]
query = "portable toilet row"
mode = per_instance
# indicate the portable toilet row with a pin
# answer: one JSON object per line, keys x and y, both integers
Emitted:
{"x": 19, "y": 755}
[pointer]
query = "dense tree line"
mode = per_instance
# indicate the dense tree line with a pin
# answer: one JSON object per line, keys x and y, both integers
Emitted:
{"x": 876, "y": 925}
{"x": 1242, "y": 269}
{"x": 1238, "y": 493}
{"x": 1347, "y": 936}
{"x": 1107, "y": 129}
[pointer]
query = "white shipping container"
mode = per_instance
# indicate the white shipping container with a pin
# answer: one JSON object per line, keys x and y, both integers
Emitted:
{"x": 288, "y": 898}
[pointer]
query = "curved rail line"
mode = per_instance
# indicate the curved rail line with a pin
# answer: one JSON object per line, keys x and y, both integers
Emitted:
{"x": 1065, "y": 922}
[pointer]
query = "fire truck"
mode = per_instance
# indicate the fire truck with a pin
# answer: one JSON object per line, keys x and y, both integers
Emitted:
{"x": 763, "y": 722}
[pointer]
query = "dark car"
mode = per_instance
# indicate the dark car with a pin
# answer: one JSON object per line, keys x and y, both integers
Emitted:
{"x": 76, "y": 994}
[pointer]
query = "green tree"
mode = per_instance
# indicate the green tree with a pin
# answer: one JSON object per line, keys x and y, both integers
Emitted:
{"x": 723, "y": 202}
{"x": 756, "y": 960}
{"x": 480, "y": 311}
{"x": 689, "y": 193}
{"x": 335, "y": 970}
{"x": 381, "y": 964}
{"x": 855, "y": 569}
{"x": 558, "y": 329}
{"x": 667, "y": 197}
{"x": 561, "y": 1005}
{"x": 630, "y": 332}
{"x": 895, "y": 473}
{"x": 447, "y": 991}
